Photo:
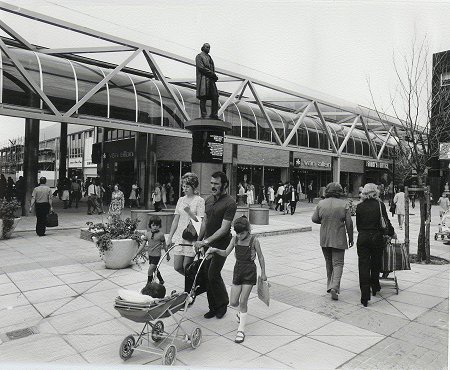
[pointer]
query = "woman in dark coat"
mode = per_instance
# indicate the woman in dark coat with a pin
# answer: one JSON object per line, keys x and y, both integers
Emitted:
{"x": 371, "y": 240}
{"x": 336, "y": 234}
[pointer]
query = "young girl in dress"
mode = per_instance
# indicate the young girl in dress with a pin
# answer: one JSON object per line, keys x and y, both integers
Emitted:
{"x": 246, "y": 248}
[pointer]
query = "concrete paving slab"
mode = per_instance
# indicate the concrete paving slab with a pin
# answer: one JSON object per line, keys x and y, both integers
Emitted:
{"x": 417, "y": 299}
{"x": 230, "y": 355}
{"x": 8, "y": 288}
{"x": 9, "y": 301}
{"x": 434, "y": 318}
{"x": 307, "y": 353}
{"x": 391, "y": 353}
{"x": 299, "y": 320}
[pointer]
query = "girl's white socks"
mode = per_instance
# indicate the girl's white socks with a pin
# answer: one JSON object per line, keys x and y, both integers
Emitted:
{"x": 243, "y": 318}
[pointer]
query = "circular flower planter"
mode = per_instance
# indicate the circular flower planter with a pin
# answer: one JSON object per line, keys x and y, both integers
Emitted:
{"x": 9, "y": 233}
{"x": 119, "y": 255}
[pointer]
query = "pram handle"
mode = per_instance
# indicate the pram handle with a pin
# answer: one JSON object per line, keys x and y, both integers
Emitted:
{"x": 165, "y": 254}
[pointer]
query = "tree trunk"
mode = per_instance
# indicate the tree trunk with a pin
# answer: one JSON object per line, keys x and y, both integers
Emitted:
{"x": 421, "y": 240}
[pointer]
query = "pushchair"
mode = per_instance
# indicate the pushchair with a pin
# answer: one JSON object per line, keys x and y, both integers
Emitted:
{"x": 155, "y": 331}
{"x": 444, "y": 228}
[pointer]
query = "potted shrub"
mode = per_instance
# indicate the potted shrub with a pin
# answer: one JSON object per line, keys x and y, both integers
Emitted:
{"x": 8, "y": 221}
{"x": 117, "y": 241}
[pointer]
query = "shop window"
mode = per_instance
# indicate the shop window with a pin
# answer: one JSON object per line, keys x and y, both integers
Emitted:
{"x": 366, "y": 149}
{"x": 351, "y": 146}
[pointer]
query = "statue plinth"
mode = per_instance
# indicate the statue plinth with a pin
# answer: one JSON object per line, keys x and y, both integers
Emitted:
{"x": 207, "y": 149}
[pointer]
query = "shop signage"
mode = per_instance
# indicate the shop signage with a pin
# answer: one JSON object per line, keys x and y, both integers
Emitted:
{"x": 298, "y": 162}
{"x": 373, "y": 164}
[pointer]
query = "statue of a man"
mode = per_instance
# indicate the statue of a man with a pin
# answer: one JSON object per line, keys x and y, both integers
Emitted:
{"x": 206, "y": 82}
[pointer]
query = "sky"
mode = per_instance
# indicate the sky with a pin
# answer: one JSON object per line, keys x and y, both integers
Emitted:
{"x": 327, "y": 49}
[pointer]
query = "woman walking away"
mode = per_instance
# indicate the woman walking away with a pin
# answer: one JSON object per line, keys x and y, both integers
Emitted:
{"x": 246, "y": 248}
{"x": 336, "y": 225}
{"x": 399, "y": 201}
{"x": 117, "y": 202}
{"x": 189, "y": 207}
{"x": 371, "y": 240}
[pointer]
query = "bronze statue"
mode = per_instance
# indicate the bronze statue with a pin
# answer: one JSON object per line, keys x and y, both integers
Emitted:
{"x": 206, "y": 82}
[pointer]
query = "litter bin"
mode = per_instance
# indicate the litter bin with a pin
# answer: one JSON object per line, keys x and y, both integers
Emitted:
{"x": 241, "y": 211}
{"x": 259, "y": 216}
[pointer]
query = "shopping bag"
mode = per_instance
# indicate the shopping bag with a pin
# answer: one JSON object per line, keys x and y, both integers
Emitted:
{"x": 52, "y": 219}
{"x": 263, "y": 290}
{"x": 395, "y": 257}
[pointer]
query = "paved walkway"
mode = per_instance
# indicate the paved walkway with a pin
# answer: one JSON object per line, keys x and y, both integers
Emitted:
{"x": 57, "y": 286}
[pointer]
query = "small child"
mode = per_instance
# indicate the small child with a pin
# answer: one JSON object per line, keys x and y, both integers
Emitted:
{"x": 155, "y": 242}
{"x": 246, "y": 248}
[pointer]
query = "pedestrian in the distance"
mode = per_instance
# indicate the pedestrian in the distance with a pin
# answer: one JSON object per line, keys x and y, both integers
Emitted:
{"x": 246, "y": 247}
{"x": 399, "y": 201}
{"x": 220, "y": 209}
{"x": 336, "y": 234}
{"x": 41, "y": 198}
{"x": 444, "y": 205}
{"x": 117, "y": 202}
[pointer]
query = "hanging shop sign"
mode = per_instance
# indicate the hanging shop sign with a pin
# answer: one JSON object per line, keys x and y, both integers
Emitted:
{"x": 374, "y": 164}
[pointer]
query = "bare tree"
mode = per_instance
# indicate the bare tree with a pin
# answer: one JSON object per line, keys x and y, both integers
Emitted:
{"x": 421, "y": 109}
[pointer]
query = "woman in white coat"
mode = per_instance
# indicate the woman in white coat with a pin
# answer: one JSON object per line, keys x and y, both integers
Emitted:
{"x": 399, "y": 201}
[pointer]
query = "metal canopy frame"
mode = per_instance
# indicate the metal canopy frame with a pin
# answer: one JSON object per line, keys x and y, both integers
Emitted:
{"x": 359, "y": 115}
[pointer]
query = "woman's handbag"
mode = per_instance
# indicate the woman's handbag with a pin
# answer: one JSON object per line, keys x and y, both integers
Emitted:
{"x": 383, "y": 223}
{"x": 52, "y": 219}
{"x": 189, "y": 233}
{"x": 263, "y": 290}
{"x": 392, "y": 207}
{"x": 395, "y": 257}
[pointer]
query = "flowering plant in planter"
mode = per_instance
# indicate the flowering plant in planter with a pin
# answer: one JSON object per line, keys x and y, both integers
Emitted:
{"x": 7, "y": 210}
{"x": 103, "y": 233}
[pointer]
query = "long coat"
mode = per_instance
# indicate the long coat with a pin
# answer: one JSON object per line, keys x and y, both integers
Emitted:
{"x": 336, "y": 223}
{"x": 206, "y": 77}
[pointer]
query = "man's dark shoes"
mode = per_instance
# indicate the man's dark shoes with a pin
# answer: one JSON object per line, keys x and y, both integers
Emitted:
{"x": 221, "y": 311}
{"x": 364, "y": 302}
{"x": 209, "y": 315}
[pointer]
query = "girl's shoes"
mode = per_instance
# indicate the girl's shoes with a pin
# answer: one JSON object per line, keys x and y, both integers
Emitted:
{"x": 240, "y": 336}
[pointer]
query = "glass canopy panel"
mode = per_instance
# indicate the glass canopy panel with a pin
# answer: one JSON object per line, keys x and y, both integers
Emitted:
{"x": 122, "y": 99}
{"x": 232, "y": 116}
{"x": 87, "y": 78}
{"x": 149, "y": 102}
{"x": 192, "y": 104}
{"x": 59, "y": 81}
{"x": 248, "y": 121}
{"x": 277, "y": 123}
{"x": 172, "y": 117}
{"x": 16, "y": 90}
{"x": 351, "y": 145}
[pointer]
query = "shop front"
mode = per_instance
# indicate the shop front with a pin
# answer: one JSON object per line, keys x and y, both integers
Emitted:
{"x": 352, "y": 173}
{"x": 314, "y": 169}
{"x": 118, "y": 162}
{"x": 377, "y": 172}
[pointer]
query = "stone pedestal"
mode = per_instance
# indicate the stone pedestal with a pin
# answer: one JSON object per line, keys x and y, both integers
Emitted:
{"x": 207, "y": 149}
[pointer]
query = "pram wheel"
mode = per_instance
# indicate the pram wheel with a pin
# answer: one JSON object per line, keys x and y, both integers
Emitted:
{"x": 157, "y": 331}
{"x": 169, "y": 355}
{"x": 196, "y": 338}
{"x": 435, "y": 236}
{"x": 127, "y": 348}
